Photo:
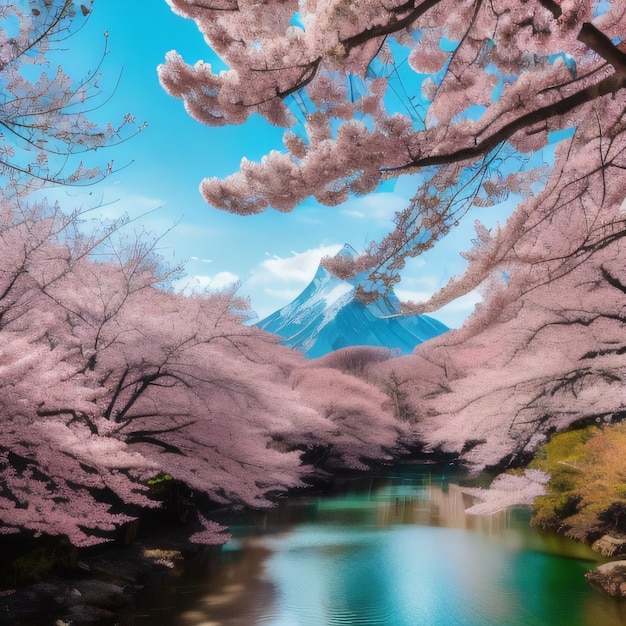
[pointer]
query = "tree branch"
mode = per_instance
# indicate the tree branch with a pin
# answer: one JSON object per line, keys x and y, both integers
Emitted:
{"x": 597, "y": 41}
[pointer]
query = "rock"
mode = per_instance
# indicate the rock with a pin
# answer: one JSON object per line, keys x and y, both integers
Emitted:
{"x": 85, "y": 614}
{"x": 118, "y": 565}
{"x": 609, "y": 578}
{"x": 96, "y": 593}
{"x": 609, "y": 546}
{"x": 24, "y": 604}
{"x": 86, "y": 602}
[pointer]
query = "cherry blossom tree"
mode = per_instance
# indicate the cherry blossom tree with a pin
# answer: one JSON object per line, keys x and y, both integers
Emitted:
{"x": 507, "y": 490}
{"x": 98, "y": 397}
{"x": 483, "y": 83}
{"x": 52, "y": 469}
{"x": 543, "y": 350}
{"x": 358, "y": 425}
{"x": 45, "y": 128}
{"x": 53, "y": 464}
{"x": 110, "y": 379}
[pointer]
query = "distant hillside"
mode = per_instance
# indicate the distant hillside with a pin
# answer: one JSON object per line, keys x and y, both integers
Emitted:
{"x": 326, "y": 317}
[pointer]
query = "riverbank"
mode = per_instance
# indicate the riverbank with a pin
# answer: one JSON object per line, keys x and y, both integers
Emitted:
{"x": 105, "y": 584}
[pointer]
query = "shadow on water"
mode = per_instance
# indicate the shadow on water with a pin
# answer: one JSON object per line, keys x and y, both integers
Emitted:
{"x": 392, "y": 551}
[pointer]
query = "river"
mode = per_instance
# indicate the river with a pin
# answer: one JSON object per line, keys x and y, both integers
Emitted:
{"x": 392, "y": 551}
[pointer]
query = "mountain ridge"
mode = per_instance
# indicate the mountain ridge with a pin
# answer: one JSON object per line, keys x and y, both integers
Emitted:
{"x": 326, "y": 317}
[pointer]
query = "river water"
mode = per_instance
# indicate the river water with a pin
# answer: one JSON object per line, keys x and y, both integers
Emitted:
{"x": 391, "y": 551}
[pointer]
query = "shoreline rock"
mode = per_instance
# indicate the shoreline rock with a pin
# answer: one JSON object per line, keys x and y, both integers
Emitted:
{"x": 609, "y": 578}
{"x": 609, "y": 546}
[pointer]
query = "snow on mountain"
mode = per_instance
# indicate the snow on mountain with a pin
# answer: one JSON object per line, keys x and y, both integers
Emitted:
{"x": 326, "y": 317}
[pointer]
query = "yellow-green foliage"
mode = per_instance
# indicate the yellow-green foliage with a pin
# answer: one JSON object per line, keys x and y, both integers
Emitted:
{"x": 560, "y": 458}
{"x": 160, "y": 485}
{"x": 587, "y": 489}
{"x": 159, "y": 478}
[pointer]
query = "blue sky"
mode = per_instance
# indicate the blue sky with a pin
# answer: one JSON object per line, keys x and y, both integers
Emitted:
{"x": 274, "y": 255}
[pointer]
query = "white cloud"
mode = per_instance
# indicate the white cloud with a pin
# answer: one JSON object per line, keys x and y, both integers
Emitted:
{"x": 148, "y": 216}
{"x": 298, "y": 268}
{"x": 349, "y": 213}
{"x": 224, "y": 279}
{"x": 276, "y": 281}
{"x": 308, "y": 219}
{"x": 133, "y": 205}
{"x": 197, "y": 283}
{"x": 414, "y": 296}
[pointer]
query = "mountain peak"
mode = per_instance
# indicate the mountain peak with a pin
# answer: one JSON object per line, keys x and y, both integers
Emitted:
{"x": 347, "y": 251}
{"x": 326, "y": 317}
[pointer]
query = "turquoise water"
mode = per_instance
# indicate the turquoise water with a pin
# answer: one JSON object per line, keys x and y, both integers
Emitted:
{"x": 398, "y": 551}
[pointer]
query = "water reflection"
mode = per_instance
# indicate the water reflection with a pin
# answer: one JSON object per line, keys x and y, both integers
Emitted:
{"x": 398, "y": 552}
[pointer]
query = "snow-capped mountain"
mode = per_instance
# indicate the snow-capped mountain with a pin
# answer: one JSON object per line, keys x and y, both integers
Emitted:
{"x": 326, "y": 317}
